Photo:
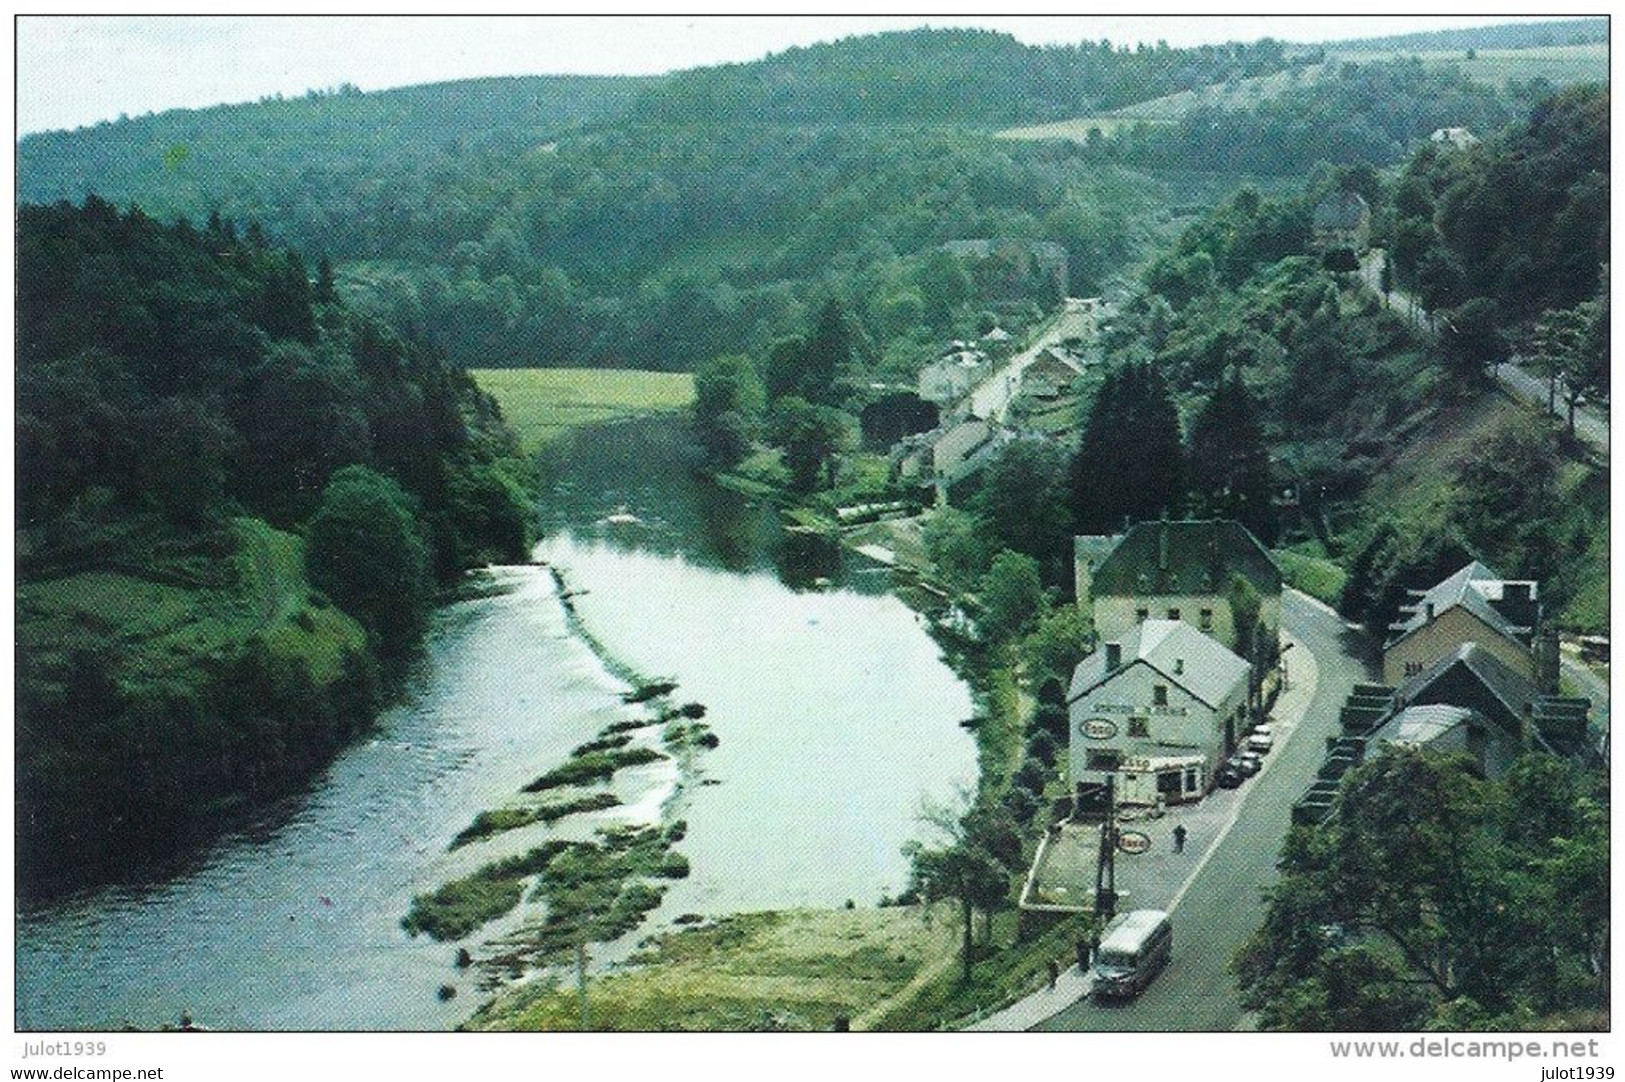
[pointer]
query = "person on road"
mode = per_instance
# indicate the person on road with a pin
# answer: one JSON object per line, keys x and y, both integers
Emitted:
{"x": 1082, "y": 947}
{"x": 1179, "y": 838}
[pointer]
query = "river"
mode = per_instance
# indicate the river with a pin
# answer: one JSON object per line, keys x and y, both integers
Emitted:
{"x": 835, "y": 714}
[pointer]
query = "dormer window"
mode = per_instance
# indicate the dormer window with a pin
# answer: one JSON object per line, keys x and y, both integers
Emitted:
{"x": 1159, "y": 695}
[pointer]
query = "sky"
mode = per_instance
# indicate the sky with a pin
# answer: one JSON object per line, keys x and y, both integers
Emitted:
{"x": 77, "y": 70}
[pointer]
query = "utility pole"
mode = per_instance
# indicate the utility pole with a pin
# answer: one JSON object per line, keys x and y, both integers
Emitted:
{"x": 581, "y": 985}
{"x": 1106, "y": 867}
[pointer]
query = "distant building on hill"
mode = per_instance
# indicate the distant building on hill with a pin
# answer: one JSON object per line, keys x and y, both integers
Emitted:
{"x": 1460, "y": 138}
{"x": 1342, "y": 220}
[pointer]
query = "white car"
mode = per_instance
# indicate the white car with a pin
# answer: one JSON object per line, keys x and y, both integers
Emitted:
{"x": 1261, "y": 740}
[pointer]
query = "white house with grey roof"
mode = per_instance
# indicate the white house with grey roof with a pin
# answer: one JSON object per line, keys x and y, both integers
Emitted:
{"x": 1474, "y": 605}
{"x": 1158, "y": 710}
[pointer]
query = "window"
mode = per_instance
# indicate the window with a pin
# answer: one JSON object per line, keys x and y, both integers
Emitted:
{"x": 1173, "y": 614}
{"x": 1190, "y": 781}
{"x": 1207, "y": 619}
{"x": 1139, "y": 727}
{"x": 1141, "y": 614}
{"x": 1412, "y": 668}
{"x": 1102, "y": 759}
{"x": 1159, "y": 695}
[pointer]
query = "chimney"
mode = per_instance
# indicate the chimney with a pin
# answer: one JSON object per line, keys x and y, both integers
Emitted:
{"x": 1114, "y": 656}
{"x": 1179, "y": 666}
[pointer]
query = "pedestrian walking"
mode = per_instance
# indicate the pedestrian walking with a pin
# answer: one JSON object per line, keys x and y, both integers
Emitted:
{"x": 1084, "y": 959}
{"x": 1179, "y": 838}
{"x": 1054, "y": 973}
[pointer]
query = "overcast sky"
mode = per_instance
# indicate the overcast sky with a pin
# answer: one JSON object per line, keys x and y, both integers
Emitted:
{"x": 76, "y": 70}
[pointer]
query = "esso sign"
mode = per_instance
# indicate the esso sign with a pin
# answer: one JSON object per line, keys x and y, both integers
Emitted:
{"x": 1097, "y": 728}
{"x": 1133, "y": 842}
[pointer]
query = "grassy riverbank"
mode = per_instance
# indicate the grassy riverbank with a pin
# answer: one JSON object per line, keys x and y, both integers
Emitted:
{"x": 543, "y": 405}
{"x": 796, "y": 970}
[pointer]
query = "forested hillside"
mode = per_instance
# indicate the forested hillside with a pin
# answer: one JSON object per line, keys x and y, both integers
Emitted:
{"x": 653, "y": 224}
{"x": 1399, "y": 459}
{"x": 239, "y": 499}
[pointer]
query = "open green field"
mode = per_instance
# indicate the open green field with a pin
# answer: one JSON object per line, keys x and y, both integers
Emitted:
{"x": 1561, "y": 64}
{"x": 543, "y": 404}
{"x": 785, "y": 970}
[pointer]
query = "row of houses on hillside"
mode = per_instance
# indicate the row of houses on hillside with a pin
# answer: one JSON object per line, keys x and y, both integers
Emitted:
{"x": 1169, "y": 691}
{"x": 973, "y": 396}
{"x": 1468, "y": 668}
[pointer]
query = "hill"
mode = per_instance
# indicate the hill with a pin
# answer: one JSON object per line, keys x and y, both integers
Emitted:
{"x": 242, "y": 498}
{"x": 1506, "y": 36}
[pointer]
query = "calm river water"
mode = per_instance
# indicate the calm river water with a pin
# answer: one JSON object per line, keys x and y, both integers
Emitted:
{"x": 836, "y": 718}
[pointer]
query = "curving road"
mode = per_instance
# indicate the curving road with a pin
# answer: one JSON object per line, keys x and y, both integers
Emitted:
{"x": 1224, "y": 903}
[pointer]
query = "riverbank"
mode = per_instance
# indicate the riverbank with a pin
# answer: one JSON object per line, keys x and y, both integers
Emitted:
{"x": 778, "y": 970}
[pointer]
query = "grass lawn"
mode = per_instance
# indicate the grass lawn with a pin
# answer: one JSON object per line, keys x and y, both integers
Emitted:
{"x": 543, "y": 404}
{"x": 1316, "y": 576}
{"x": 797, "y": 969}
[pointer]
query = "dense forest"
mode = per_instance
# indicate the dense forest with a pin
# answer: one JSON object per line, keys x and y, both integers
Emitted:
{"x": 240, "y": 501}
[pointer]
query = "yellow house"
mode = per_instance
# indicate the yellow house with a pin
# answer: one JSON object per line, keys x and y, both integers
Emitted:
{"x": 1475, "y": 605}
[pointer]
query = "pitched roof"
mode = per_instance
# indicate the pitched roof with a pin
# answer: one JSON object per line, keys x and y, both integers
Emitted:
{"x": 1187, "y": 556}
{"x": 1504, "y": 684}
{"x": 1422, "y": 724}
{"x": 1176, "y": 650}
{"x": 1475, "y": 588}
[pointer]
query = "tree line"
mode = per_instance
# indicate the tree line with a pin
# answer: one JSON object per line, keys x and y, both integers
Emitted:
{"x": 198, "y": 411}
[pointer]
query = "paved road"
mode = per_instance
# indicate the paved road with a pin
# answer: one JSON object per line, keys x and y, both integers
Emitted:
{"x": 1224, "y": 905}
{"x": 1590, "y": 423}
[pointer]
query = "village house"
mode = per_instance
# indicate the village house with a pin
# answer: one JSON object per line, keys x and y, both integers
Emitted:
{"x": 1342, "y": 220}
{"x": 1473, "y": 605}
{"x": 948, "y": 454}
{"x": 1178, "y": 570}
{"x": 1157, "y": 711}
{"x": 1443, "y": 728}
{"x": 951, "y": 376}
{"x": 1460, "y": 138}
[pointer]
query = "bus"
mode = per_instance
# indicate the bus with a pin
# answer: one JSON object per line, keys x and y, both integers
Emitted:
{"x": 1133, "y": 950}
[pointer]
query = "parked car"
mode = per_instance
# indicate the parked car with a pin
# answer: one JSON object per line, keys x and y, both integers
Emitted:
{"x": 1261, "y": 740}
{"x": 1248, "y": 762}
{"x": 1229, "y": 776}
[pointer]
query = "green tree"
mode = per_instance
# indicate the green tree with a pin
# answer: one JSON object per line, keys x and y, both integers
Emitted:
{"x": 970, "y": 866}
{"x": 1429, "y": 898}
{"x": 728, "y": 401}
{"x": 1022, "y": 505}
{"x": 811, "y": 437}
{"x": 1130, "y": 461}
{"x": 366, "y": 550}
{"x": 1061, "y": 639}
{"x": 1011, "y": 596}
{"x": 954, "y": 542}
{"x": 1229, "y": 464}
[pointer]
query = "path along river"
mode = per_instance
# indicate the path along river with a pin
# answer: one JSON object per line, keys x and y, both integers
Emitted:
{"x": 835, "y": 713}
